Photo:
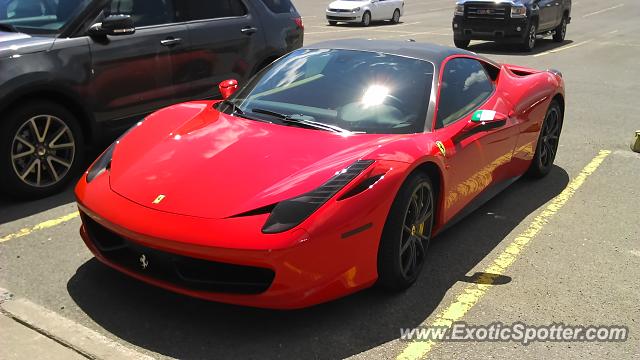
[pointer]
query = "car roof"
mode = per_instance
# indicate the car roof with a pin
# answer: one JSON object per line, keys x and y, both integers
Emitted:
{"x": 418, "y": 50}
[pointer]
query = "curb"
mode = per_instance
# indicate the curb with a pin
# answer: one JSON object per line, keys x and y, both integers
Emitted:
{"x": 67, "y": 333}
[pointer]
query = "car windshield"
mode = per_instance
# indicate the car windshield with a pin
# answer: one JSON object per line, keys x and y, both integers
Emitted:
{"x": 357, "y": 91}
{"x": 38, "y": 16}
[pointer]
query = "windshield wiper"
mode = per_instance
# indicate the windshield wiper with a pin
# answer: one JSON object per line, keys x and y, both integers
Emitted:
{"x": 234, "y": 108}
{"x": 8, "y": 27}
{"x": 300, "y": 119}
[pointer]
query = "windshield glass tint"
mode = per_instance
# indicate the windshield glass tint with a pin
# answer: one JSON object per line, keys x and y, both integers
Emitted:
{"x": 39, "y": 15}
{"x": 354, "y": 90}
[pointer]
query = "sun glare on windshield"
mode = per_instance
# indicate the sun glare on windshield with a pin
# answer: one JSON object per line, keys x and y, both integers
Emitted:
{"x": 375, "y": 95}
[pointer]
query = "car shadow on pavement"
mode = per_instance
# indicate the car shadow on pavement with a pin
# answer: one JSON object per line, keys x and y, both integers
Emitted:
{"x": 186, "y": 328}
{"x": 493, "y": 48}
{"x": 11, "y": 209}
{"x": 373, "y": 24}
{"x": 14, "y": 209}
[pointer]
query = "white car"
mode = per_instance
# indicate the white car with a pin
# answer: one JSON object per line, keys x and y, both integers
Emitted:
{"x": 364, "y": 11}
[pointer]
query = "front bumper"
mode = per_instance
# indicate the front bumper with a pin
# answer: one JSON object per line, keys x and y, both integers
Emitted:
{"x": 313, "y": 263}
{"x": 342, "y": 16}
{"x": 509, "y": 30}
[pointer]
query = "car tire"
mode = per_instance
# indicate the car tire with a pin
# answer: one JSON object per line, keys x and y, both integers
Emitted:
{"x": 396, "y": 17}
{"x": 561, "y": 30}
{"x": 529, "y": 41}
{"x": 333, "y": 23}
{"x": 461, "y": 43}
{"x": 406, "y": 234}
{"x": 548, "y": 140}
{"x": 366, "y": 19}
{"x": 41, "y": 149}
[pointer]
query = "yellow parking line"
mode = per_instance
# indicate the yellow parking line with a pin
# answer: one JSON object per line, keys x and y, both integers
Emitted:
{"x": 43, "y": 225}
{"x": 473, "y": 293}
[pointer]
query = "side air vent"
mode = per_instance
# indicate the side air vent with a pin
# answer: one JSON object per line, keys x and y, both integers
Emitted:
{"x": 259, "y": 211}
{"x": 364, "y": 185}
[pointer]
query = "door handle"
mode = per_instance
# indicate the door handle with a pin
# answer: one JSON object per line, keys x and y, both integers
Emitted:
{"x": 171, "y": 41}
{"x": 249, "y": 30}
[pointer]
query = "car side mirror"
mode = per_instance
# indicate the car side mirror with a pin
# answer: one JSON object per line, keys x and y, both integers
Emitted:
{"x": 482, "y": 120}
{"x": 228, "y": 87}
{"x": 113, "y": 25}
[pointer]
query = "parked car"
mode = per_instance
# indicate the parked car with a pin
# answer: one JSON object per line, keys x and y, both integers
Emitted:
{"x": 510, "y": 21}
{"x": 75, "y": 72}
{"x": 364, "y": 11}
{"x": 329, "y": 171}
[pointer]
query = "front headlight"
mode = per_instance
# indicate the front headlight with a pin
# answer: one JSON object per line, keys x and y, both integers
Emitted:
{"x": 459, "y": 10}
{"x": 518, "y": 11}
{"x": 290, "y": 213}
{"x": 104, "y": 161}
{"x": 356, "y": 9}
{"x": 102, "y": 164}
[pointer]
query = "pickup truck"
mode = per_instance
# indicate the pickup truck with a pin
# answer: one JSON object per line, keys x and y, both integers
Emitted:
{"x": 510, "y": 21}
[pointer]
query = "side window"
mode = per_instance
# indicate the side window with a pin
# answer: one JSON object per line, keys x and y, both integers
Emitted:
{"x": 279, "y": 6}
{"x": 17, "y": 9}
{"x": 465, "y": 85}
{"x": 144, "y": 12}
{"x": 189, "y": 10}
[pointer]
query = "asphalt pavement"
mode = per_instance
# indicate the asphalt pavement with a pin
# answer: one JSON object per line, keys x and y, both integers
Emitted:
{"x": 563, "y": 249}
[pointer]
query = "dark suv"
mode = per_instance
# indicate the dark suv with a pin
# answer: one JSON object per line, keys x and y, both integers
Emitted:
{"x": 513, "y": 21}
{"x": 78, "y": 72}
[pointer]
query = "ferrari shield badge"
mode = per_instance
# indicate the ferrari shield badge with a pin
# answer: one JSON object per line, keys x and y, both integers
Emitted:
{"x": 159, "y": 199}
{"x": 440, "y": 146}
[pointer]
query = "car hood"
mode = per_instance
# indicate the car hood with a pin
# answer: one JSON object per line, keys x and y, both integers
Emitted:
{"x": 193, "y": 160}
{"x": 347, "y": 5}
{"x": 21, "y": 44}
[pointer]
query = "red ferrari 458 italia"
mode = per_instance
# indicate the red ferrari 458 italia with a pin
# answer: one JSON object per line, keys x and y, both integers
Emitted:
{"x": 328, "y": 172}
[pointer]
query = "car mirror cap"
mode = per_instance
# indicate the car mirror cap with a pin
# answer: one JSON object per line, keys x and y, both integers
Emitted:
{"x": 228, "y": 87}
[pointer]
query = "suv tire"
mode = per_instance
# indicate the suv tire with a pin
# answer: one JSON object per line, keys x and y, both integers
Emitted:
{"x": 41, "y": 149}
{"x": 529, "y": 41}
{"x": 461, "y": 43}
{"x": 561, "y": 30}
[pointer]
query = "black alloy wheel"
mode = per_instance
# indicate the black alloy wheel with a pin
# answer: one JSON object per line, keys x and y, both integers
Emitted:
{"x": 406, "y": 234}
{"x": 548, "y": 142}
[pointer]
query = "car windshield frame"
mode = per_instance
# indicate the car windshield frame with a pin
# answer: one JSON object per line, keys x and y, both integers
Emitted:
{"x": 48, "y": 21}
{"x": 361, "y": 116}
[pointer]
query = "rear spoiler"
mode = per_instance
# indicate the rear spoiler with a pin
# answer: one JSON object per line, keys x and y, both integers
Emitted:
{"x": 524, "y": 71}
